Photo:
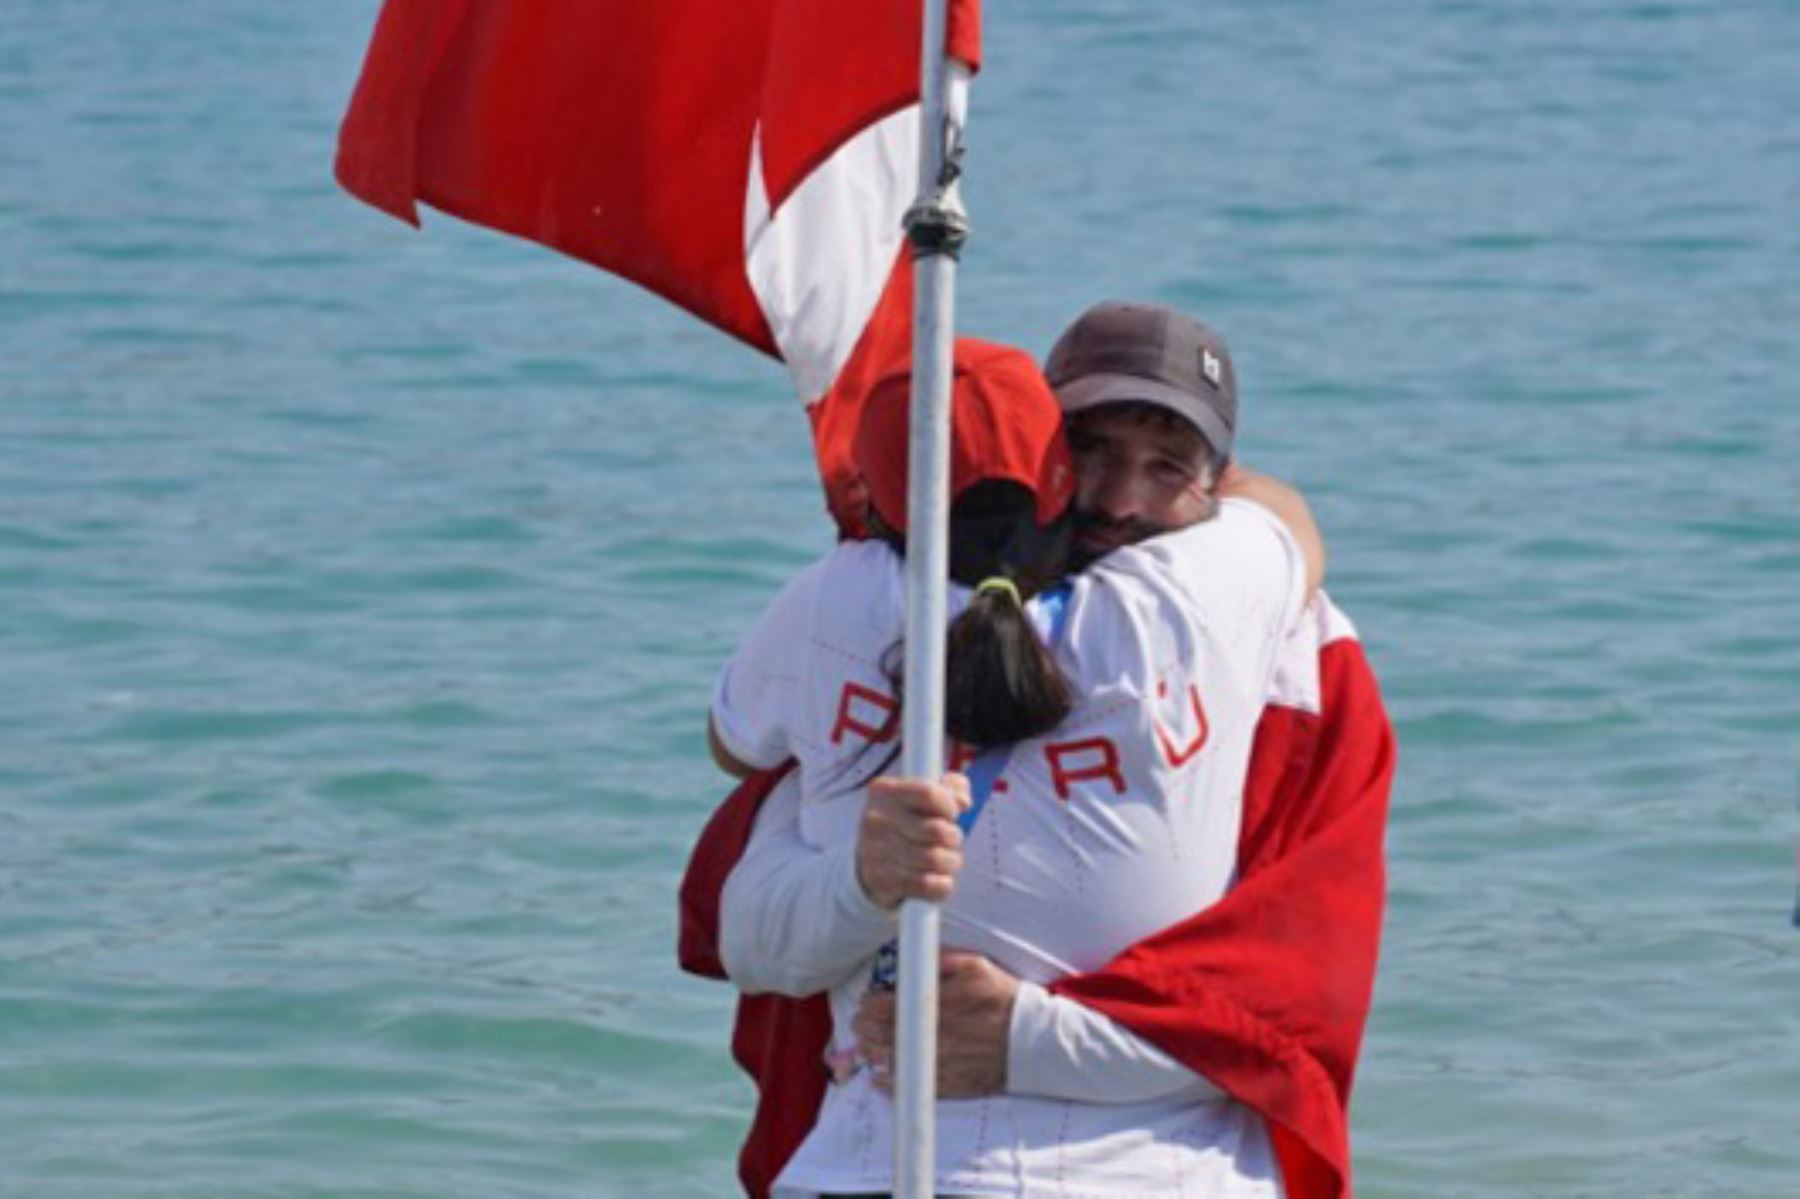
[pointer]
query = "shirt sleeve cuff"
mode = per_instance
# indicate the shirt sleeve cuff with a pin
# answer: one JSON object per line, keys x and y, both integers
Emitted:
{"x": 1033, "y": 1029}
{"x": 857, "y": 913}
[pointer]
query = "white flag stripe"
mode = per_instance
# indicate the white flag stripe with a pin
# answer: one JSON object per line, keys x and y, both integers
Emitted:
{"x": 818, "y": 266}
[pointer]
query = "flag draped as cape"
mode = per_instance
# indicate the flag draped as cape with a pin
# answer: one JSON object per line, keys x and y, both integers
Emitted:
{"x": 1266, "y": 993}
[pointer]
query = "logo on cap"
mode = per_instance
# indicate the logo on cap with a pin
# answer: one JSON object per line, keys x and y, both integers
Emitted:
{"x": 1210, "y": 365}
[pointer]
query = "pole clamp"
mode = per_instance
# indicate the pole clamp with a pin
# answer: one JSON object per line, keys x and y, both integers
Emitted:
{"x": 936, "y": 223}
{"x": 935, "y": 228}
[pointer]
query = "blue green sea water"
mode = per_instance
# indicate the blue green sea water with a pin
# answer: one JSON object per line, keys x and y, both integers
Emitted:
{"x": 361, "y": 590}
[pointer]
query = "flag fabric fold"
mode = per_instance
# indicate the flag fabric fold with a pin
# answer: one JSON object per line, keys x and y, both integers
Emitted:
{"x": 748, "y": 160}
{"x": 1266, "y": 992}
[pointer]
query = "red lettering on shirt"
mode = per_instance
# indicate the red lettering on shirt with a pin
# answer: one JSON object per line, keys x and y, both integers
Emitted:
{"x": 1093, "y": 758}
{"x": 1177, "y": 758}
{"x": 856, "y": 697}
{"x": 963, "y": 756}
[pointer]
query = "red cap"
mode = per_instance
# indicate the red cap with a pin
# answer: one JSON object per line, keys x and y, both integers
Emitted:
{"x": 1005, "y": 423}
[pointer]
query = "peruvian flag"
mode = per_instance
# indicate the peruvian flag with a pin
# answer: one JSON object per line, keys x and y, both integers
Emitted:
{"x": 748, "y": 160}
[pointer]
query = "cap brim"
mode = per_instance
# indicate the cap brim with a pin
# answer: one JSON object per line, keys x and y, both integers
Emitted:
{"x": 1097, "y": 390}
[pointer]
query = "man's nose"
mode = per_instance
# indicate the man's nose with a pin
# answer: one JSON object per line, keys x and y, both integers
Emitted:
{"x": 1116, "y": 495}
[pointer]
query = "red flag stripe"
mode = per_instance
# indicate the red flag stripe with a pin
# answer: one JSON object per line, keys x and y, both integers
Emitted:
{"x": 621, "y": 132}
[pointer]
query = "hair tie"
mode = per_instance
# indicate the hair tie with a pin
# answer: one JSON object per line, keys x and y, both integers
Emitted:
{"x": 1000, "y": 584}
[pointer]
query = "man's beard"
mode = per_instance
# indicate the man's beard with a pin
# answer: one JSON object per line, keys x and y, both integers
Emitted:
{"x": 1111, "y": 535}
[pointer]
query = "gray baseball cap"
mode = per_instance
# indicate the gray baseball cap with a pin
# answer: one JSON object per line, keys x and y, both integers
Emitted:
{"x": 1117, "y": 352}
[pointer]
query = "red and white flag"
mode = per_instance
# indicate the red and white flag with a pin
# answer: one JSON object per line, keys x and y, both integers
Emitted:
{"x": 748, "y": 160}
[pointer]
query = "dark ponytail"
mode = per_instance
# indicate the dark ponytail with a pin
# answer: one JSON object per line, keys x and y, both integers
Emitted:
{"x": 1001, "y": 683}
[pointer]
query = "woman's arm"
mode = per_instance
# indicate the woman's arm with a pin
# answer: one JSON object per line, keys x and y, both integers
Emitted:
{"x": 796, "y": 919}
{"x": 792, "y": 918}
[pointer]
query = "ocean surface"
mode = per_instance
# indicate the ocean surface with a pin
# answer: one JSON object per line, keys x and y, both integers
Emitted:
{"x": 361, "y": 589}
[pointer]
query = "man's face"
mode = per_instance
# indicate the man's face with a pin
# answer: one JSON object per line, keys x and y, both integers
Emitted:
{"x": 1138, "y": 472}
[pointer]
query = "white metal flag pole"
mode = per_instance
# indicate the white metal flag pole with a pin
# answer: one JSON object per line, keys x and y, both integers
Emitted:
{"x": 936, "y": 227}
